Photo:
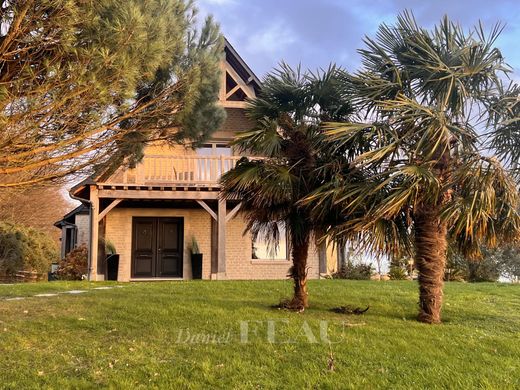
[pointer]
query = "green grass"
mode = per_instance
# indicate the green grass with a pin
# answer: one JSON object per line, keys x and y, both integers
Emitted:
{"x": 129, "y": 337}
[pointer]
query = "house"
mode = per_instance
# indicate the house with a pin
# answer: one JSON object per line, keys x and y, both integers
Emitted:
{"x": 74, "y": 228}
{"x": 153, "y": 212}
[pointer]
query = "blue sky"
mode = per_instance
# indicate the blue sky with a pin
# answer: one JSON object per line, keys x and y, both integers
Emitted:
{"x": 318, "y": 32}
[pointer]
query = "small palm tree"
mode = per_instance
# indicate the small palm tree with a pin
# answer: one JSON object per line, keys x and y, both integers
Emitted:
{"x": 297, "y": 158}
{"x": 422, "y": 99}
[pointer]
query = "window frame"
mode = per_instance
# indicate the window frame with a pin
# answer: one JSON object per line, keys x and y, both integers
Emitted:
{"x": 272, "y": 260}
{"x": 214, "y": 146}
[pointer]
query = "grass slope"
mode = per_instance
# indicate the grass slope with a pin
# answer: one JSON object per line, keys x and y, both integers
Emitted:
{"x": 136, "y": 337}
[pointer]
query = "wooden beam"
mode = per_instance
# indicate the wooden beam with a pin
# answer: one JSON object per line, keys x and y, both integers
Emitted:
{"x": 207, "y": 208}
{"x": 230, "y": 93}
{"x": 233, "y": 212}
{"x": 222, "y": 90}
{"x": 156, "y": 194}
{"x": 214, "y": 249}
{"x": 233, "y": 104}
{"x": 108, "y": 208}
{"x": 221, "y": 239}
{"x": 100, "y": 271}
{"x": 63, "y": 241}
{"x": 94, "y": 232}
{"x": 248, "y": 90}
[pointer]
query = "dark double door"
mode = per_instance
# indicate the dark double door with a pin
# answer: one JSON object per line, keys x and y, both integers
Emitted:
{"x": 157, "y": 247}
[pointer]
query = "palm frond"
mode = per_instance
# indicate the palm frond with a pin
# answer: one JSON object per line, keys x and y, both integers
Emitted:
{"x": 484, "y": 206}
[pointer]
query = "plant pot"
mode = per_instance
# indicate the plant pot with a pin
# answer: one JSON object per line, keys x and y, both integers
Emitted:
{"x": 196, "y": 265}
{"x": 112, "y": 267}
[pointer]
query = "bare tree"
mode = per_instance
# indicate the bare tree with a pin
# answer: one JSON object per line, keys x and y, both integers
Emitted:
{"x": 36, "y": 207}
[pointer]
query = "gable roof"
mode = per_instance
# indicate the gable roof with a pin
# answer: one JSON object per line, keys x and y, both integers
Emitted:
{"x": 68, "y": 218}
{"x": 240, "y": 66}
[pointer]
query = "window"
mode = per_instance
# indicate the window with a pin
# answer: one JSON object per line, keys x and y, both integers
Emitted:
{"x": 215, "y": 150}
{"x": 261, "y": 250}
{"x": 212, "y": 165}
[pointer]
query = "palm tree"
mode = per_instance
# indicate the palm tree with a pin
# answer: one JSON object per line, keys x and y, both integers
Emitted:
{"x": 296, "y": 159}
{"x": 423, "y": 99}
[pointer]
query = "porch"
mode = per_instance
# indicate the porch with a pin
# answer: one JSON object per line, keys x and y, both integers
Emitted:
{"x": 158, "y": 230}
{"x": 182, "y": 188}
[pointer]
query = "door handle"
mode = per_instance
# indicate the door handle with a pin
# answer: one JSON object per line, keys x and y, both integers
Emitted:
{"x": 160, "y": 249}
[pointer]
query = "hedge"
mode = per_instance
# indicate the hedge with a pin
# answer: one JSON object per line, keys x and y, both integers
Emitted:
{"x": 25, "y": 249}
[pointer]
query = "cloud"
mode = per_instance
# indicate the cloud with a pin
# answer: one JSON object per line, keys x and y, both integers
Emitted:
{"x": 274, "y": 39}
{"x": 318, "y": 32}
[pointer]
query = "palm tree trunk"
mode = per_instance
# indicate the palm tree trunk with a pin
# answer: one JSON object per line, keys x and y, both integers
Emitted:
{"x": 300, "y": 250}
{"x": 430, "y": 259}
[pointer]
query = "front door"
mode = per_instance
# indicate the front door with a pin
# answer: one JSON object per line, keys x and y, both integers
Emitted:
{"x": 157, "y": 247}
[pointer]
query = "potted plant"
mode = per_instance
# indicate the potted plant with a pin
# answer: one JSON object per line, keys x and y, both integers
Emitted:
{"x": 112, "y": 261}
{"x": 196, "y": 259}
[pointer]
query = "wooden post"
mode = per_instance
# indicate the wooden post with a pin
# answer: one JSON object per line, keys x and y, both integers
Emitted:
{"x": 63, "y": 241}
{"x": 322, "y": 255}
{"x": 101, "y": 266}
{"x": 94, "y": 232}
{"x": 214, "y": 248}
{"x": 221, "y": 239}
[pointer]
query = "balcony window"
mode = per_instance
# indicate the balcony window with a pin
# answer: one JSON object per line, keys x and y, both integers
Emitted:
{"x": 215, "y": 165}
{"x": 215, "y": 149}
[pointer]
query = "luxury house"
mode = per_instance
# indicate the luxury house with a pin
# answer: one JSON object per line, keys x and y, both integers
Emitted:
{"x": 152, "y": 214}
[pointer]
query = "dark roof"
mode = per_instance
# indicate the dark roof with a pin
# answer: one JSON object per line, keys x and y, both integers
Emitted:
{"x": 68, "y": 218}
{"x": 240, "y": 66}
{"x": 88, "y": 181}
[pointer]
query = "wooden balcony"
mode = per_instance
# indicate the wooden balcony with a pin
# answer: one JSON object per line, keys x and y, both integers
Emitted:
{"x": 189, "y": 171}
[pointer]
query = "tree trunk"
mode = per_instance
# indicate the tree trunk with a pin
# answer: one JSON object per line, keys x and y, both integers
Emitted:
{"x": 430, "y": 260}
{"x": 299, "y": 249}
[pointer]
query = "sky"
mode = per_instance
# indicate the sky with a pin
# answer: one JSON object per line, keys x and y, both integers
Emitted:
{"x": 317, "y": 32}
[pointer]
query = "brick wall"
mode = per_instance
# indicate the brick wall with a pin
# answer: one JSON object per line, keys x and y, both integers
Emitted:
{"x": 196, "y": 223}
{"x": 236, "y": 120}
{"x": 239, "y": 264}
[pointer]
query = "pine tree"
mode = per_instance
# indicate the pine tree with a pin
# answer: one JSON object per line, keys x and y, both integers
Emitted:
{"x": 86, "y": 84}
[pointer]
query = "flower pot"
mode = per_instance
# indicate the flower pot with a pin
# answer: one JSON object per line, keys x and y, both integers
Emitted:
{"x": 196, "y": 265}
{"x": 112, "y": 267}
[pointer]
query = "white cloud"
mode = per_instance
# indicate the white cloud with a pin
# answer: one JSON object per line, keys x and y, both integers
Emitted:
{"x": 274, "y": 39}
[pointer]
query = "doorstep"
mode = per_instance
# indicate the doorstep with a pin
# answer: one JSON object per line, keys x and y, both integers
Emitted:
{"x": 154, "y": 279}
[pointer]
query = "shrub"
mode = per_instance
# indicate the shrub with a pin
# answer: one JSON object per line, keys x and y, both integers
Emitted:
{"x": 509, "y": 261}
{"x": 398, "y": 267}
{"x": 354, "y": 272}
{"x": 456, "y": 266}
{"x": 74, "y": 265}
{"x": 397, "y": 273}
{"x": 486, "y": 269}
{"x": 25, "y": 249}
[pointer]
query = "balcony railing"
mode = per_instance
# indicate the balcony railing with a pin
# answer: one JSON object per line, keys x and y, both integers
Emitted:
{"x": 182, "y": 170}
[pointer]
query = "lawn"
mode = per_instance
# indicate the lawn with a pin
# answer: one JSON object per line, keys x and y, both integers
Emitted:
{"x": 224, "y": 334}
